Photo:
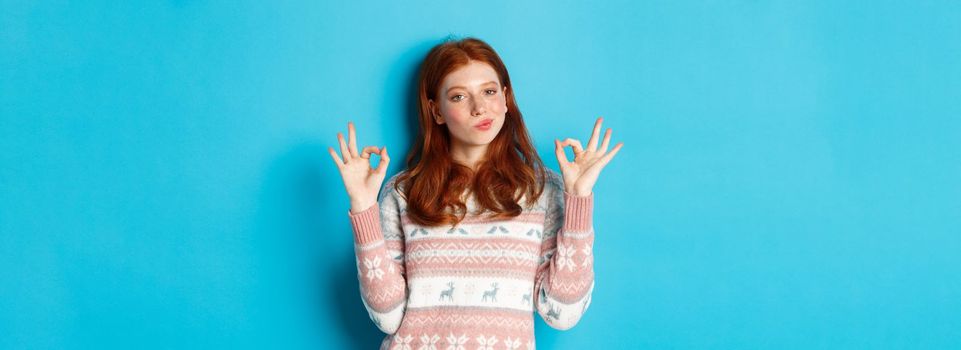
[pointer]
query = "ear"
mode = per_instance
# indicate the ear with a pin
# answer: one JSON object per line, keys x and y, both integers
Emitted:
{"x": 507, "y": 95}
{"x": 435, "y": 112}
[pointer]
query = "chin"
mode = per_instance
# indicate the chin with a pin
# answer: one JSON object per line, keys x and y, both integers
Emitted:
{"x": 483, "y": 142}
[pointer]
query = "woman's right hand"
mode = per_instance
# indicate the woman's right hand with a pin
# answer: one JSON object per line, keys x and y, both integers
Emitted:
{"x": 360, "y": 179}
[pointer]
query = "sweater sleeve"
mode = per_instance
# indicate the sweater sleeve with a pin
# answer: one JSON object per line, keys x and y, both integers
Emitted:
{"x": 564, "y": 279}
{"x": 379, "y": 246}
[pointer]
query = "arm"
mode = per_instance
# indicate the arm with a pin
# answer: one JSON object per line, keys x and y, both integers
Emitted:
{"x": 379, "y": 245}
{"x": 565, "y": 277}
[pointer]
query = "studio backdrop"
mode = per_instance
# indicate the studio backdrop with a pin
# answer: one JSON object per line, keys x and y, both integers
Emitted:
{"x": 790, "y": 176}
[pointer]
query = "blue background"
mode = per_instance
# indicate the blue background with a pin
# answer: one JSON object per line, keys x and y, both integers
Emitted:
{"x": 790, "y": 178}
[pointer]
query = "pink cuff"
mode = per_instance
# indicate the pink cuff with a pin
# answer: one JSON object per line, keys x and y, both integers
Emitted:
{"x": 578, "y": 212}
{"x": 366, "y": 225}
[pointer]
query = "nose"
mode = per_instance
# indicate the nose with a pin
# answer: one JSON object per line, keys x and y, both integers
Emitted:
{"x": 477, "y": 109}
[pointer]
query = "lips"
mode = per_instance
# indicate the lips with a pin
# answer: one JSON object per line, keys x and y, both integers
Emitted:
{"x": 485, "y": 123}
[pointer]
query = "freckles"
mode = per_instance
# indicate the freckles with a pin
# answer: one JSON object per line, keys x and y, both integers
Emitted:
{"x": 451, "y": 111}
{"x": 457, "y": 114}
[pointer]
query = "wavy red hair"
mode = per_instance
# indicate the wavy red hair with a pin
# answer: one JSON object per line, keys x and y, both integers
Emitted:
{"x": 434, "y": 184}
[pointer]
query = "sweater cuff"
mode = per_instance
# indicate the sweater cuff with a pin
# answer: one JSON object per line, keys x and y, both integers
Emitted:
{"x": 366, "y": 225}
{"x": 578, "y": 212}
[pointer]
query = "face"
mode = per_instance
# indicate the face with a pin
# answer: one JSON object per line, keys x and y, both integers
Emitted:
{"x": 468, "y": 97}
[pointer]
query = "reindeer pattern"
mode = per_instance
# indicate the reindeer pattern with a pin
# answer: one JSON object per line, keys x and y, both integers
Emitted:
{"x": 449, "y": 293}
{"x": 498, "y": 290}
{"x": 491, "y": 293}
{"x": 482, "y": 265}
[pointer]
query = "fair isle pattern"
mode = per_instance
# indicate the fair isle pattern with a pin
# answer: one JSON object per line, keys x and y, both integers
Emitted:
{"x": 424, "y": 318}
{"x": 495, "y": 251}
{"x": 476, "y": 285}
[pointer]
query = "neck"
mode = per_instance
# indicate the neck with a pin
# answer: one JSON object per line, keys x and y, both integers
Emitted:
{"x": 468, "y": 155}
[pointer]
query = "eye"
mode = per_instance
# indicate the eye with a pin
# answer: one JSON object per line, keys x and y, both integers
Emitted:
{"x": 456, "y": 98}
{"x": 491, "y": 92}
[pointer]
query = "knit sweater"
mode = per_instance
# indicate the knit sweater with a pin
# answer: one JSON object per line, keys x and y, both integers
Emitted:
{"x": 476, "y": 285}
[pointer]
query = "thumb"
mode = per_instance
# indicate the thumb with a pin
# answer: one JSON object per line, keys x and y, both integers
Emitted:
{"x": 559, "y": 152}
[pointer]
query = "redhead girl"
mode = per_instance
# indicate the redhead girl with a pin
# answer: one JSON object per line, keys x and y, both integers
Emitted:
{"x": 458, "y": 250}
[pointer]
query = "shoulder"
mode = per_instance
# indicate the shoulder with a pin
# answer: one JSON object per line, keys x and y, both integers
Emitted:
{"x": 553, "y": 188}
{"x": 389, "y": 188}
{"x": 554, "y": 180}
{"x": 393, "y": 179}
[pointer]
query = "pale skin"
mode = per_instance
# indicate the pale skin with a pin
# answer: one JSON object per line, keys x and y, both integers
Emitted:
{"x": 468, "y": 96}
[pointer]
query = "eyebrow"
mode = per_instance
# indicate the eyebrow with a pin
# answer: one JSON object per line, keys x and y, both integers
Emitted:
{"x": 455, "y": 87}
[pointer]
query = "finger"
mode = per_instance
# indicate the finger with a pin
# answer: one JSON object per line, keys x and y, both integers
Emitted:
{"x": 343, "y": 148}
{"x": 337, "y": 161}
{"x": 559, "y": 151}
{"x": 592, "y": 143}
{"x": 575, "y": 144}
{"x": 384, "y": 161}
{"x": 352, "y": 135}
{"x": 607, "y": 158}
{"x": 607, "y": 139}
{"x": 368, "y": 151}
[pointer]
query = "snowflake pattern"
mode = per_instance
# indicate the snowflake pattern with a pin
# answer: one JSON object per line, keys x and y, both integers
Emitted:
{"x": 565, "y": 256}
{"x": 469, "y": 290}
{"x": 426, "y": 290}
{"x": 402, "y": 343}
{"x": 511, "y": 344}
{"x": 486, "y": 343}
{"x": 373, "y": 268}
{"x": 456, "y": 343}
{"x": 429, "y": 342}
{"x": 588, "y": 258}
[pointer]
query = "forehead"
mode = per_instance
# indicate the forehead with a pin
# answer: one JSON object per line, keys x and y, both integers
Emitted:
{"x": 472, "y": 74}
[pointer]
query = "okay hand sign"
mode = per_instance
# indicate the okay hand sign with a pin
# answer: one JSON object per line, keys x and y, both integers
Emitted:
{"x": 581, "y": 174}
{"x": 360, "y": 179}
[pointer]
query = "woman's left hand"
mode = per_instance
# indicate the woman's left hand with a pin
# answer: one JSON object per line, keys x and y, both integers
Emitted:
{"x": 581, "y": 174}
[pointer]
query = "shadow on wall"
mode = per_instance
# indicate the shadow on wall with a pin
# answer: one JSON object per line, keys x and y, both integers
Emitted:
{"x": 400, "y": 100}
{"x": 310, "y": 286}
{"x": 303, "y": 230}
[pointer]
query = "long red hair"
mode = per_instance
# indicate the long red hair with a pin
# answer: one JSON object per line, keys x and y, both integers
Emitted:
{"x": 434, "y": 184}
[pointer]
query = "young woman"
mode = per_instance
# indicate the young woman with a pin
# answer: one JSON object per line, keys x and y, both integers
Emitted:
{"x": 461, "y": 248}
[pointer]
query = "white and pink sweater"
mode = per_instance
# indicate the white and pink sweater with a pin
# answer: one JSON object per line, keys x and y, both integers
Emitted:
{"x": 475, "y": 286}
